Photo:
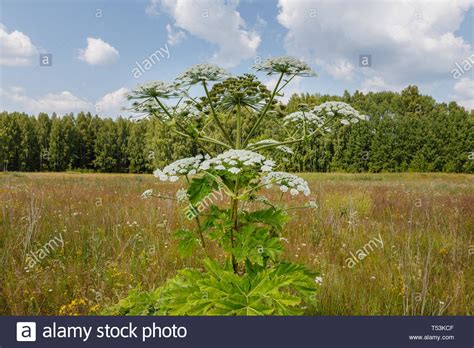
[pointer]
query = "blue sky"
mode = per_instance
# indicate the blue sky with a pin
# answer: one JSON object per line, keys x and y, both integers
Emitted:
{"x": 95, "y": 46}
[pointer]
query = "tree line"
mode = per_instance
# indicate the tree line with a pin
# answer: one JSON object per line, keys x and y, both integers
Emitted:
{"x": 407, "y": 131}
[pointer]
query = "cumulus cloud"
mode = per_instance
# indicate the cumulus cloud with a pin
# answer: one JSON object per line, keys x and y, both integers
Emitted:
{"x": 464, "y": 89}
{"x": 215, "y": 21}
{"x": 410, "y": 41}
{"x": 98, "y": 52}
{"x": 62, "y": 102}
{"x": 378, "y": 84}
{"x": 112, "y": 103}
{"x": 16, "y": 49}
{"x": 174, "y": 36}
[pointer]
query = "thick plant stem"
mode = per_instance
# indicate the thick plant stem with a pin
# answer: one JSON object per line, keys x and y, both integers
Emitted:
{"x": 239, "y": 128}
{"x": 234, "y": 215}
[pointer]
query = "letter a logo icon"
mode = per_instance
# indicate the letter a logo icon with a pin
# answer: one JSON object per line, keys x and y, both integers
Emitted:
{"x": 26, "y": 332}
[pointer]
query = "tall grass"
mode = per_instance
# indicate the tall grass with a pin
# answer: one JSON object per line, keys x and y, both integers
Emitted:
{"x": 114, "y": 241}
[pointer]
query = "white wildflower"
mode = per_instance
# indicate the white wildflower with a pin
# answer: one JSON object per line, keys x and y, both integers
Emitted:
{"x": 147, "y": 193}
{"x": 234, "y": 161}
{"x": 158, "y": 89}
{"x": 234, "y": 170}
{"x": 181, "y": 195}
{"x": 346, "y": 113}
{"x": 286, "y": 181}
{"x": 202, "y": 72}
{"x": 286, "y": 65}
{"x": 184, "y": 166}
{"x": 318, "y": 280}
{"x": 298, "y": 118}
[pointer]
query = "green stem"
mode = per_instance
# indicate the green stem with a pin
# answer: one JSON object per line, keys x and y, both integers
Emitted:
{"x": 259, "y": 120}
{"x": 235, "y": 222}
{"x": 213, "y": 111}
{"x": 239, "y": 128}
{"x": 198, "y": 222}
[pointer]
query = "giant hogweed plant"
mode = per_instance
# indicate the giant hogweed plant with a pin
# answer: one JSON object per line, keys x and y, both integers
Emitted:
{"x": 252, "y": 279}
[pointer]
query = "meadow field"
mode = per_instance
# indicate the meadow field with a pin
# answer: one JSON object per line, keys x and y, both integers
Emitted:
{"x": 72, "y": 244}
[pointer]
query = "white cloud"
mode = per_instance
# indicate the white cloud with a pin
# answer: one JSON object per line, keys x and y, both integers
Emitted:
{"x": 174, "y": 36}
{"x": 378, "y": 84}
{"x": 16, "y": 49}
{"x": 62, "y": 102}
{"x": 98, "y": 52}
{"x": 294, "y": 87}
{"x": 216, "y": 21}
{"x": 112, "y": 103}
{"x": 340, "y": 69}
{"x": 410, "y": 41}
{"x": 464, "y": 89}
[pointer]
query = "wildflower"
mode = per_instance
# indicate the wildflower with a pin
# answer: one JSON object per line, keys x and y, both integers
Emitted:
{"x": 234, "y": 161}
{"x": 155, "y": 89}
{"x": 200, "y": 73}
{"x": 184, "y": 166}
{"x": 285, "y": 65}
{"x": 318, "y": 280}
{"x": 234, "y": 170}
{"x": 285, "y": 181}
{"x": 298, "y": 118}
{"x": 147, "y": 193}
{"x": 181, "y": 195}
{"x": 346, "y": 113}
{"x": 188, "y": 111}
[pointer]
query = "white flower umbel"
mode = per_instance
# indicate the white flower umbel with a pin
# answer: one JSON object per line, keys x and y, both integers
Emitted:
{"x": 181, "y": 195}
{"x": 201, "y": 72}
{"x": 146, "y": 194}
{"x": 187, "y": 111}
{"x": 235, "y": 161}
{"x": 287, "y": 182}
{"x": 155, "y": 89}
{"x": 298, "y": 118}
{"x": 343, "y": 111}
{"x": 285, "y": 65}
{"x": 184, "y": 166}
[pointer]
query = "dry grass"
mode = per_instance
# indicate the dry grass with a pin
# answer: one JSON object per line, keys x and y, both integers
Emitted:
{"x": 114, "y": 241}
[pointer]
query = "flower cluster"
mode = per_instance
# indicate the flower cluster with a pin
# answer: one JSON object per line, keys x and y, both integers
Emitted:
{"x": 184, "y": 166}
{"x": 285, "y": 65}
{"x": 234, "y": 161}
{"x": 346, "y": 113}
{"x": 188, "y": 111}
{"x": 201, "y": 72}
{"x": 181, "y": 195}
{"x": 287, "y": 182}
{"x": 298, "y": 118}
{"x": 155, "y": 89}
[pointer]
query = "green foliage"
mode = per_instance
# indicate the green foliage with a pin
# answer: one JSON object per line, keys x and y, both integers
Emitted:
{"x": 407, "y": 132}
{"x": 283, "y": 289}
{"x": 200, "y": 188}
{"x": 187, "y": 242}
